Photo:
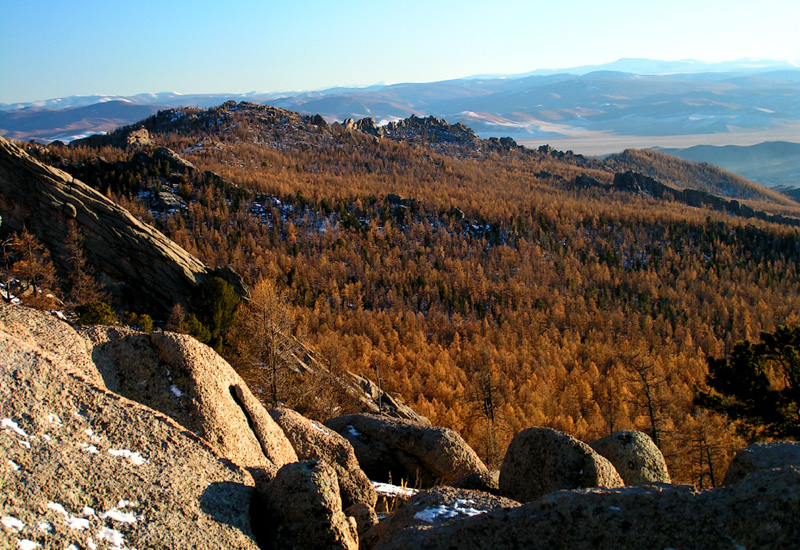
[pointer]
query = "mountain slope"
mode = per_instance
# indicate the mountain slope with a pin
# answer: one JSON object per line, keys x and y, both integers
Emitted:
{"x": 700, "y": 176}
{"x": 770, "y": 163}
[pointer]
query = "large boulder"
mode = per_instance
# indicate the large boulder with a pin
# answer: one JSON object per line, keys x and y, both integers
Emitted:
{"x": 312, "y": 440}
{"x": 188, "y": 381}
{"x": 402, "y": 450}
{"x": 759, "y": 513}
{"x": 150, "y": 271}
{"x": 762, "y": 456}
{"x": 432, "y": 508}
{"x": 303, "y": 510}
{"x": 83, "y": 466}
{"x": 541, "y": 461}
{"x": 635, "y": 457}
{"x": 51, "y": 335}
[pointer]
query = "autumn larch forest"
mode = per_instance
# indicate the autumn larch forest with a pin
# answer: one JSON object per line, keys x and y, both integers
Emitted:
{"x": 481, "y": 281}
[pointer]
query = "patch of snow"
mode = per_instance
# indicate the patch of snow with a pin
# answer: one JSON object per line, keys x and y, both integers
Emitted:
{"x": 392, "y": 490}
{"x": 54, "y": 419}
{"x": 13, "y": 465}
{"x": 25, "y": 544}
{"x": 13, "y": 426}
{"x": 25, "y": 444}
{"x": 457, "y": 509}
{"x": 112, "y": 536}
{"x": 46, "y": 437}
{"x": 91, "y": 543}
{"x": 88, "y": 512}
{"x": 90, "y": 433}
{"x": 318, "y": 427}
{"x": 175, "y": 391}
{"x": 134, "y": 457}
{"x": 91, "y": 449}
{"x": 72, "y": 547}
{"x": 118, "y": 516}
{"x": 352, "y": 431}
{"x": 77, "y": 523}
{"x": 10, "y": 522}
{"x": 45, "y": 527}
{"x": 615, "y": 508}
{"x": 124, "y": 503}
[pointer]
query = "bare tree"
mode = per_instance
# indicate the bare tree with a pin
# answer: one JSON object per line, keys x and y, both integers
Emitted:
{"x": 264, "y": 339}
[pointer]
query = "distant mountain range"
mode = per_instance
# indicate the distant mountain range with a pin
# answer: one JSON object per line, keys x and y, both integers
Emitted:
{"x": 591, "y": 109}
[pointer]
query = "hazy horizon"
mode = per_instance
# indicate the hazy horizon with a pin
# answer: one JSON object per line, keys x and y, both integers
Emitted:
{"x": 88, "y": 47}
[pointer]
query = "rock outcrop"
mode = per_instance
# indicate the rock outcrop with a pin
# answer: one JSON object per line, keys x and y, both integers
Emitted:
{"x": 312, "y": 440}
{"x": 83, "y": 466}
{"x": 635, "y": 457}
{"x": 150, "y": 272}
{"x": 762, "y": 456}
{"x": 303, "y": 509}
{"x": 186, "y": 380}
{"x": 541, "y": 461}
{"x": 758, "y": 513}
{"x": 390, "y": 448}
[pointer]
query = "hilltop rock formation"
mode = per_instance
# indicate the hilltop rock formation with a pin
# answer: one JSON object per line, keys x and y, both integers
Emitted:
{"x": 149, "y": 271}
{"x": 390, "y": 448}
{"x": 83, "y": 466}
{"x": 762, "y": 456}
{"x": 541, "y": 461}
{"x": 758, "y": 513}
{"x": 635, "y": 457}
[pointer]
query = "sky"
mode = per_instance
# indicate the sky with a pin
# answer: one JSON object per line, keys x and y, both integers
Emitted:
{"x": 58, "y": 48}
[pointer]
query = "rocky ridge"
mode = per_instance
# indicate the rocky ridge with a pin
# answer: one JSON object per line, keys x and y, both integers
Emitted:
{"x": 146, "y": 269}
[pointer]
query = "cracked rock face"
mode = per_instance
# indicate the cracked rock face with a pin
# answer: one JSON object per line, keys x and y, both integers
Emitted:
{"x": 149, "y": 271}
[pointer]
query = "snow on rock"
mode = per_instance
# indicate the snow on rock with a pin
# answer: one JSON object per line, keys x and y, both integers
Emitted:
{"x": 91, "y": 449}
{"x": 352, "y": 431}
{"x": 77, "y": 523}
{"x": 388, "y": 489}
{"x": 45, "y": 527}
{"x": 25, "y": 544}
{"x": 458, "y": 508}
{"x": 133, "y": 456}
{"x": 120, "y": 517}
{"x": 10, "y": 522}
{"x": 13, "y": 465}
{"x": 13, "y": 426}
{"x": 113, "y": 536}
{"x": 175, "y": 391}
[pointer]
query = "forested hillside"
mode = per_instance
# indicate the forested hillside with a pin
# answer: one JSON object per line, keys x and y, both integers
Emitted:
{"x": 471, "y": 276}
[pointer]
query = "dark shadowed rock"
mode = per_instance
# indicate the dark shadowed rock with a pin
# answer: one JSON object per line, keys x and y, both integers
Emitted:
{"x": 365, "y": 516}
{"x": 390, "y": 448}
{"x": 758, "y": 513}
{"x": 312, "y": 440}
{"x": 762, "y": 456}
{"x": 488, "y": 482}
{"x": 541, "y": 461}
{"x": 304, "y": 509}
{"x": 151, "y": 272}
{"x": 432, "y": 508}
{"x": 635, "y": 457}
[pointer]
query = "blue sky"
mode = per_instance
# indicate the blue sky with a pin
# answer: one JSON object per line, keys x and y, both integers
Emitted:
{"x": 80, "y": 47}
